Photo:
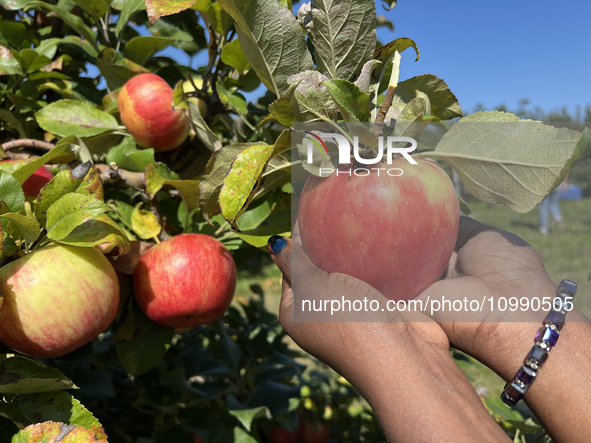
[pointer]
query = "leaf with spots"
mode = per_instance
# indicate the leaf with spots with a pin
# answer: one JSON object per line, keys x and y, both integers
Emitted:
{"x": 212, "y": 180}
{"x": 144, "y": 223}
{"x": 65, "y": 182}
{"x": 243, "y": 180}
{"x": 58, "y": 406}
{"x": 71, "y": 211}
{"x": 50, "y": 432}
{"x": 160, "y": 8}
{"x": 22, "y": 375}
{"x": 11, "y": 192}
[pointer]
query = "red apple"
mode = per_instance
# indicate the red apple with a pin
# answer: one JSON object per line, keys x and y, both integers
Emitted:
{"x": 35, "y": 182}
{"x": 56, "y": 299}
{"x": 185, "y": 281}
{"x": 315, "y": 432}
{"x": 145, "y": 104}
{"x": 396, "y": 233}
{"x": 278, "y": 434}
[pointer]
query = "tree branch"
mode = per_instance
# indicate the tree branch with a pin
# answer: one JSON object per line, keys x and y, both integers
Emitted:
{"x": 113, "y": 175}
{"x": 27, "y": 143}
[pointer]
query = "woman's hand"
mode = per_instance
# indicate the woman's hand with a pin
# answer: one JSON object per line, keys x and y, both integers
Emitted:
{"x": 404, "y": 369}
{"x": 489, "y": 264}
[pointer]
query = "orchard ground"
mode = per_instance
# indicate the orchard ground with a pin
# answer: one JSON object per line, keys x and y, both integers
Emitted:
{"x": 566, "y": 254}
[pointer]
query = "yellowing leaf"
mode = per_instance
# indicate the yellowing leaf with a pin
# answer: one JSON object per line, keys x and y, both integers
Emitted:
{"x": 145, "y": 223}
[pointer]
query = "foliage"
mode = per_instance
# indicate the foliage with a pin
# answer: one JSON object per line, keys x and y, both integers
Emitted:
{"x": 232, "y": 179}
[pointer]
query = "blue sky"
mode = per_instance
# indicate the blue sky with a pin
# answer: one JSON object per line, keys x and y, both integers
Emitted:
{"x": 492, "y": 52}
{"x": 497, "y": 52}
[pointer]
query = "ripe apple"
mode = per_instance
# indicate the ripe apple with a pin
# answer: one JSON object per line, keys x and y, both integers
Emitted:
{"x": 145, "y": 104}
{"x": 396, "y": 233}
{"x": 277, "y": 434}
{"x": 185, "y": 281}
{"x": 35, "y": 182}
{"x": 315, "y": 432}
{"x": 56, "y": 299}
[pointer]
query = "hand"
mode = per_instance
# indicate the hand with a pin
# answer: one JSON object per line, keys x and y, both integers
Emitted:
{"x": 490, "y": 263}
{"x": 403, "y": 369}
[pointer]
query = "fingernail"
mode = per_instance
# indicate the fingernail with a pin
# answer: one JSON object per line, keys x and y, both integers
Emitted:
{"x": 276, "y": 244}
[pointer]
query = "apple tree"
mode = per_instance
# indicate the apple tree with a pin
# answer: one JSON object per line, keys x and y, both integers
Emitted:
{"x": 67, "y": 106}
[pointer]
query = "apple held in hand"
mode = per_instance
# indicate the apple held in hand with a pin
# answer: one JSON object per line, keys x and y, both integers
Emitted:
{"x": 396, "y": 233}
{"x": 35, "y": 182}
{"x": 56, "y": 299}
{"x": 185, "y": 281}
{"x": 145, "y": 104}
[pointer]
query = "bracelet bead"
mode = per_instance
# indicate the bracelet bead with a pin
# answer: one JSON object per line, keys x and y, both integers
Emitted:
{"x": 545, "y": 339}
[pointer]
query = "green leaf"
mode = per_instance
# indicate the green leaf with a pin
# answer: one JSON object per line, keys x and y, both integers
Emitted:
{"x": 344, "y": 35}
{"x": 159, "y": 8}
{"x": 129, "y": 9}
{"x": 97, "y": 8}
{"x": 158, "y": 175}
{"x": 117, "y": 69}
{"x": 102, "y": 231}
{"x": 73, "y": 21}
{"x": 242, "y": 181}
{"x": 278, "y": 223}
{"x": 271, "y": 39}
{"x": 127, "y": 156}
{"x": 140, "y": 49}
{"x": 13, "y": 5}
{"x": 52, "y": 431}
{"x": 231, "y": 350}
{"x": 444, "y": 105}
{"x": 233, "y": 55}
{"x": 21, "y": 375}
{"x": 144, "y": 223}
{"x": 28, "y": 227}
{"x": 141, "y": 354}
{"x": 413, "y": 118}
{"x": 9, "y": 65}
{"x": 219, "y": 19}
{"x": 56, "y": 406}
{"x": 12, "y": 33}
{"x": 71, "y": 211}
{"x": 385, "y": 53}
{"x": 364, "y": 80}
{"x": 212, "y": 180}
{"x": 503, "y": 160}
{"x": 244, "y": 415}
{"x": 71, "y": 117}
{"x": 63, "y": 183}
{"x": 353, "y": 104}
{"x": 306, "y": 100}
{"x": 203, "y": 132}
{"x": 231, "y": 99}
{"x": 11, "y": 192}
{"x": 61, "y": 151}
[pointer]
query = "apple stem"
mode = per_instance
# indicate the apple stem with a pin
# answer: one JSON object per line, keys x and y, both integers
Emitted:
{"x": 156, "y": 240}
{"x": 387, "y": 103}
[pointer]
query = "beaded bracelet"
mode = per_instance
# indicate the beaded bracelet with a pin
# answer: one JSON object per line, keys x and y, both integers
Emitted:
{"x": 546, "y": 338}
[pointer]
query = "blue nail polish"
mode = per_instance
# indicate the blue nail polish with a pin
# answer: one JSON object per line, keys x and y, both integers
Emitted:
{"x": 276, "y": 244}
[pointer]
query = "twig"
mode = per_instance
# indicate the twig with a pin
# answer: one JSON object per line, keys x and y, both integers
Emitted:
{"x": 27, "y": 143}
{"x": 114, "y": 175}
{"x": 387, "y": 103}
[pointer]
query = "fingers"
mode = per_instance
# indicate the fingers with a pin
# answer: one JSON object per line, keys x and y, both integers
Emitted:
{"x": 469, "y": 228}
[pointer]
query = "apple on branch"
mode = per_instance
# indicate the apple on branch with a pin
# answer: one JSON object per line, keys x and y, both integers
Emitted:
{"x": 396, "y": 233}
{"x": 56, "y": 299}
{"x": 185, "y": 281}
{"x": 145, "y": 104}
